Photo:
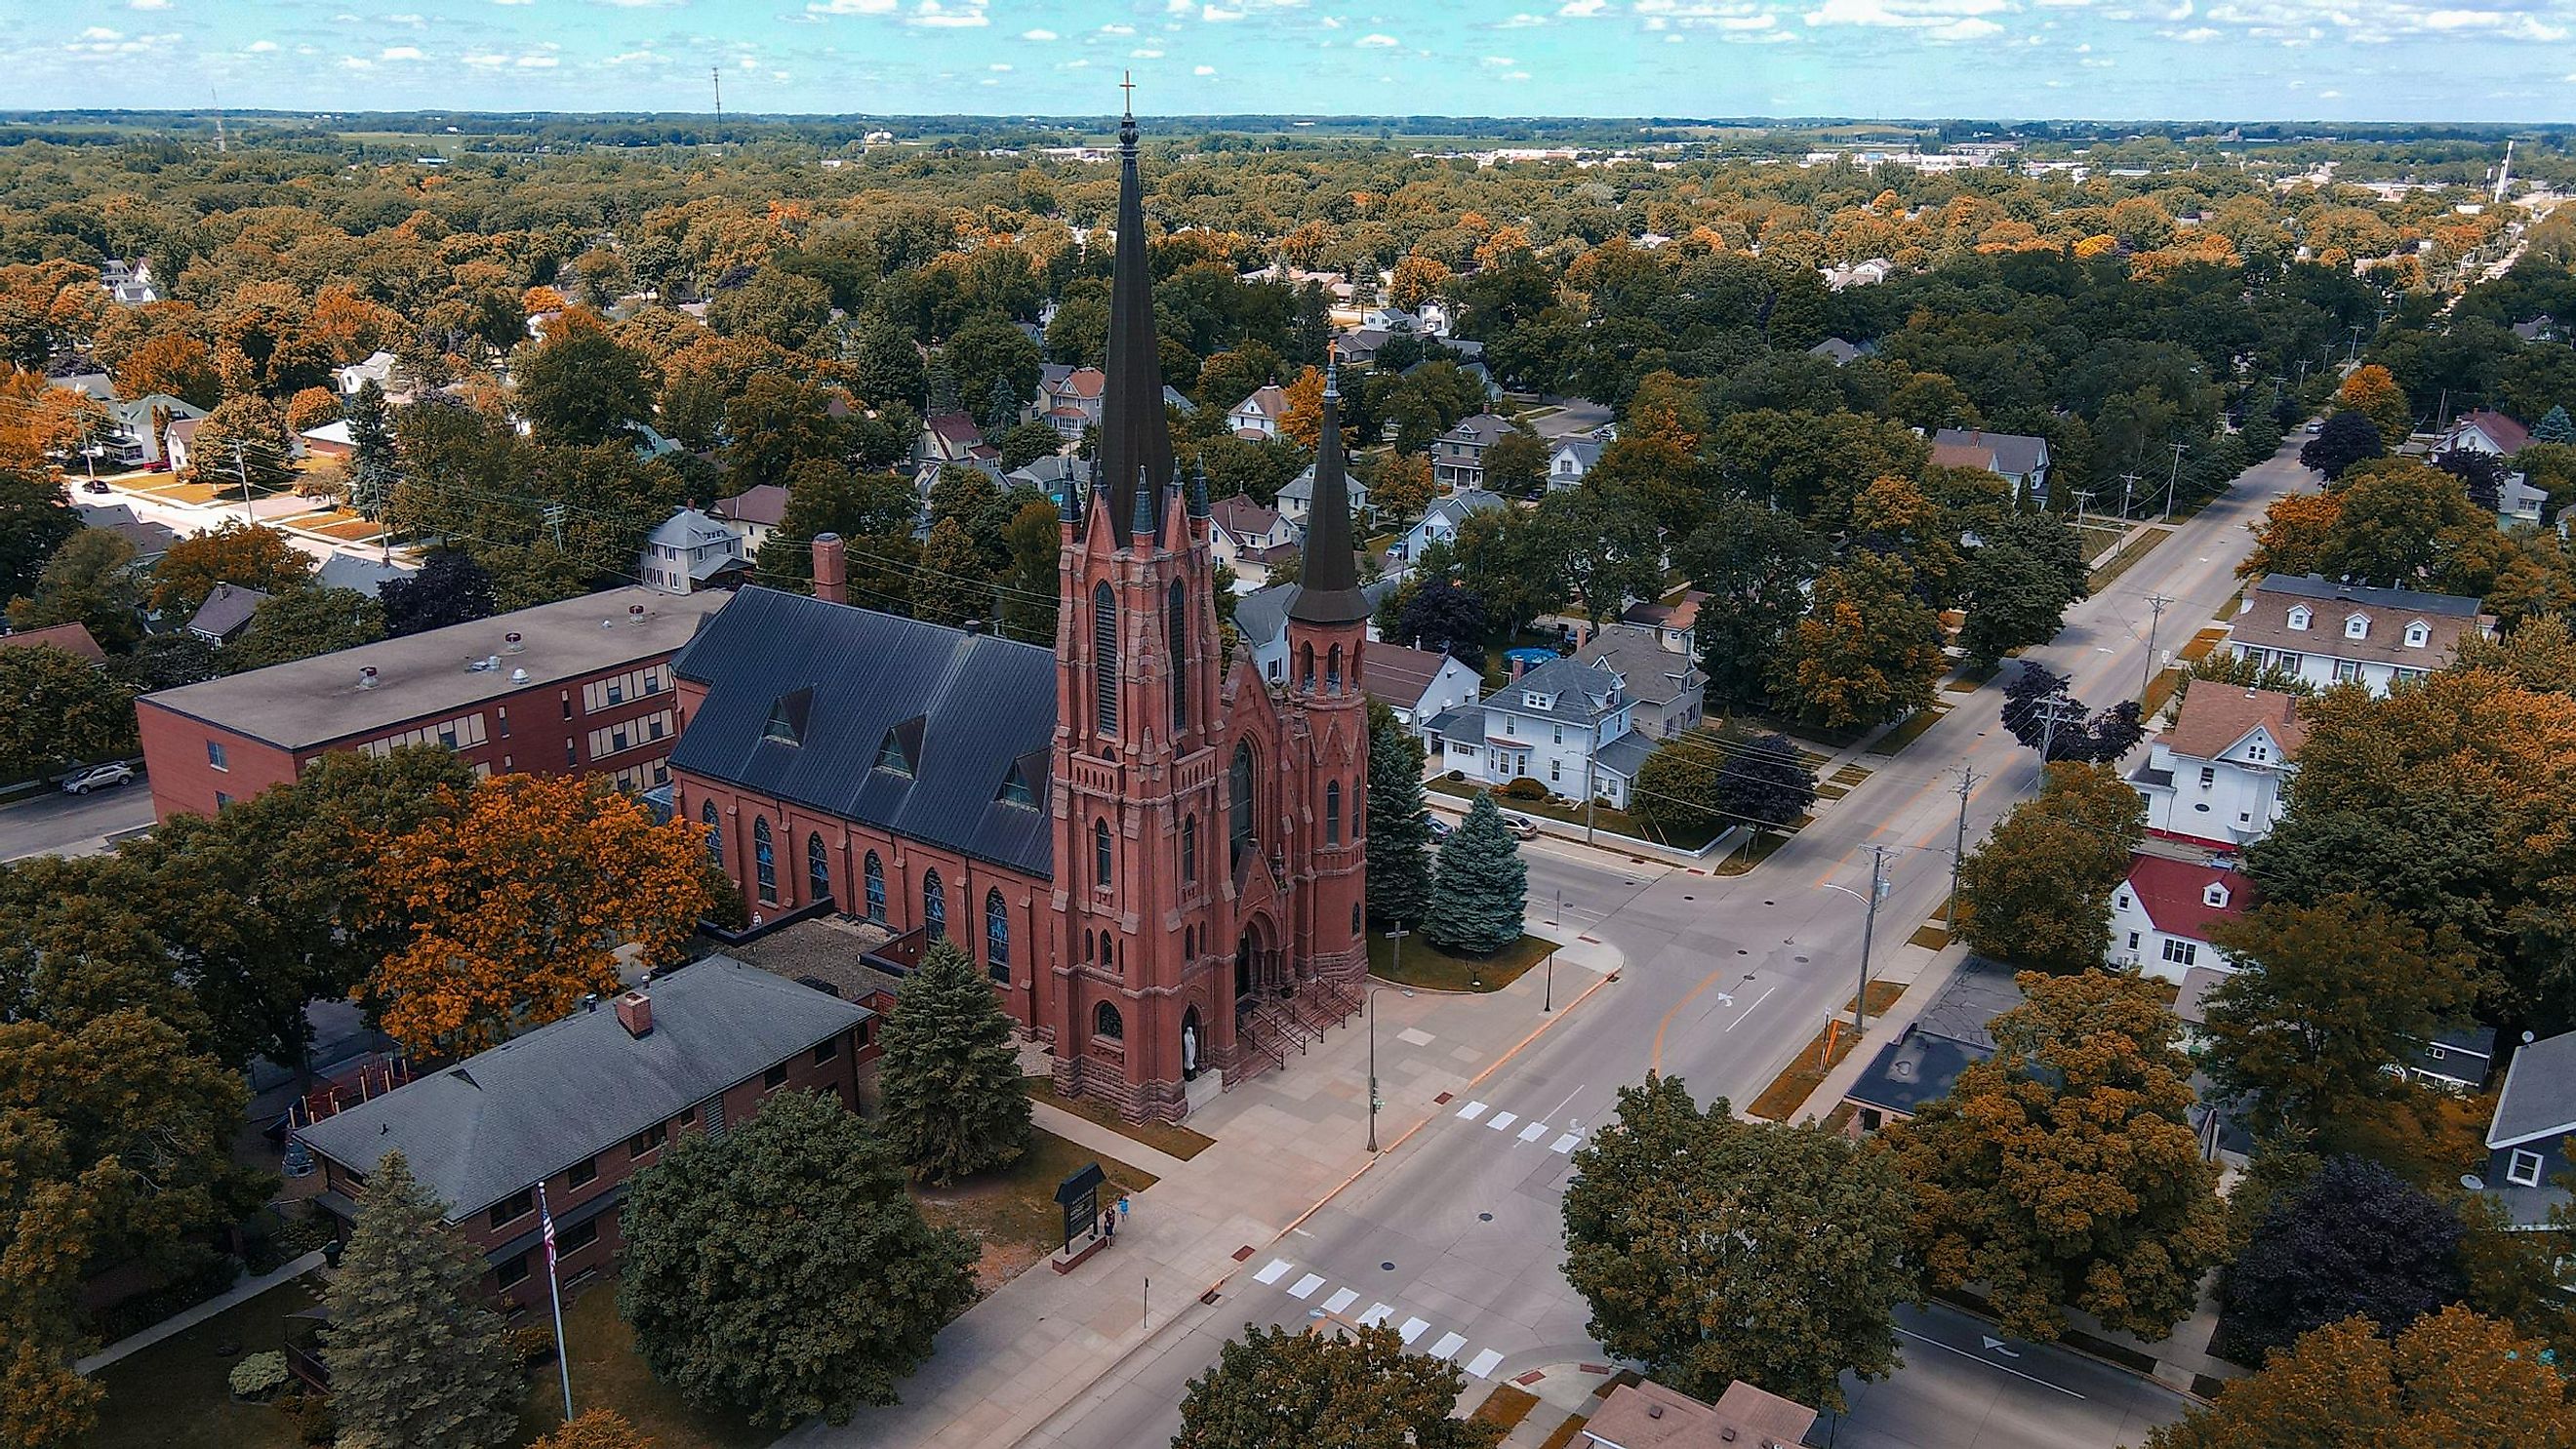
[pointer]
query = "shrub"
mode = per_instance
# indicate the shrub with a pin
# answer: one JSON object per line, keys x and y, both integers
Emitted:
{"x": 1525, "y": 788}
{"x": 203, "y": 1277}
{"x": 534, "y": 1343}
{"x": 258, "y": 1377}
{"x": 1456, "y": 777}
{"x": 311, "y": 1416}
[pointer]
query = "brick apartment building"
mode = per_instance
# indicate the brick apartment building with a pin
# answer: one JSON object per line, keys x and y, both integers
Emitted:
{"x": 581, "y": 685}
{"x": 579, "y": 1104}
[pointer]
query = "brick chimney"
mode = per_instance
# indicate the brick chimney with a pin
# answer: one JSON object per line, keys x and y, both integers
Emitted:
{"x": 635, "y": 1013}
{"x": 831, "y": 569}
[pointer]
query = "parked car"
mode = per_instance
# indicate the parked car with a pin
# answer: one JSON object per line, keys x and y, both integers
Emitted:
{"x": 1521, "y": 826}
{"x": 1440, "y": 829}
{"x": 96, "y": 485}
{"x": 2316, "y": 425}
{"x": 98, "y": 777}
{"x": 157, "y": 465}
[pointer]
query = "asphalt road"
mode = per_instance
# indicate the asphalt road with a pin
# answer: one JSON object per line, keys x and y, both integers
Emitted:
{"x": 58, "y": 824}
{"x": 1456, "y": 1234}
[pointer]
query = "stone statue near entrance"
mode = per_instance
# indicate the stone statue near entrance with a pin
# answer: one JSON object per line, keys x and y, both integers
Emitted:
{"x": 1189, "y": 1051}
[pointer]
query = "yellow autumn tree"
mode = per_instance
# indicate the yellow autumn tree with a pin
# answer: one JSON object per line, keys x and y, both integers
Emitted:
{"x": 1416, "y": 279}
{"x": 2372, "y": 391}
{"x": 516, "y": 903}
{"x": 2292, "y": 534}
{"x": 1303, "y": 423}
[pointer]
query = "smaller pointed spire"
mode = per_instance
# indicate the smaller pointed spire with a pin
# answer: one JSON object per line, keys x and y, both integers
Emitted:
{"x": 1328, "y": 583}
{"x": 1140, "y": 519}
{"x": 1198, "y": 490}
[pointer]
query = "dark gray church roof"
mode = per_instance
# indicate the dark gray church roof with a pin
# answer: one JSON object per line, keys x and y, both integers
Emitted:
{"x": 968, "y": 708}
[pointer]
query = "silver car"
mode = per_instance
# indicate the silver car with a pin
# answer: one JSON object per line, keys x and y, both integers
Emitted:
{"x": 98, "y": 777}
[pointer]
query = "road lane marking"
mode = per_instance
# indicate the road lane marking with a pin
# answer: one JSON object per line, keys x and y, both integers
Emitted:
{"x": 1533, "y": 1132}
{"x": 1448, "y": 1346}
{"x": 1277, "y": 1269}
{"x": 1756, "y": 1006}
{"x": 1990, "y": 1363}
{"x": 1304, "y": 1288}
{"x": 1484, "y": 1364}
{"x": 1342, "y": 1298}
{"x": 1472, "y": 1111}
{"x": 1502, "y": 1120}
{"x": 1569, "y": 1099}
{"x": 1380, "y": 1312}
{"x": 1565, "y": 1143}
{"x": 1413, "y": 1328}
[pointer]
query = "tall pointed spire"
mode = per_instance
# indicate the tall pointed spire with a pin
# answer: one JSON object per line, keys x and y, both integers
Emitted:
{"x": 1135, "y": 436}
{"x": 1328, "y": 583}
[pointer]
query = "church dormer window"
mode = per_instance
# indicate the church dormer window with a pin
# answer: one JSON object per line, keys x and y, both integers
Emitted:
{"x": 894, "y": 756}
{"x": 787, "y": 717}
{"x": 1016, "y": 790}
{"x": 2357, "y": 627}
{"x": 1104, "y": 660}
{"x": 2299, "y": 617}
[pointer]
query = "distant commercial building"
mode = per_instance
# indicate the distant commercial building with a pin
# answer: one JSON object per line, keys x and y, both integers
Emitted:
{"x": 578, "y": 686}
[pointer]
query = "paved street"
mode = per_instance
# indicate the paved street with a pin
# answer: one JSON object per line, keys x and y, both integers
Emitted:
{"x": 54, "y": 823}
{"x": 1725, "y": 979}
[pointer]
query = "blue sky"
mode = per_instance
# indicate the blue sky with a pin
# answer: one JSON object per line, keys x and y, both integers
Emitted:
{"x": 2249, "y": 59}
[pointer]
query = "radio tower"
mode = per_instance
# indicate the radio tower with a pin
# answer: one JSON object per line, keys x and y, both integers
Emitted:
{"x": 716, "y": 73}
{"x": 221, "y": 146}
{"x": 2504, "y": 173}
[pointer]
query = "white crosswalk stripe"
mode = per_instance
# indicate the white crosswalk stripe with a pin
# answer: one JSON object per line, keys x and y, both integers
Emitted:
{"x": 1502, "y": 1120}
{"x": 1342, "y": 1298}
{"x": 1378, "y": 1313}
{"x": 1484, "y": 1364}
{"x": 1449, "y": 1345}
{"x": 1273, "y": 1272}
{"x": 1533, "y": 1132}
{"x": 1305, "y": 1287}
{"x": 1413, "y": 1328}
{"x": 1565, "y": 1143}
{"x": 1472, "y": 1111}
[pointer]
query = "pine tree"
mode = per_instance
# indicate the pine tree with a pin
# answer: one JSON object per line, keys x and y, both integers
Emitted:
{"x": 371, "y": 465}
{"x": 954, "y": 583}
{"x": 2555, "y": 427}
{"x": 418, "y": 1360}
{"x": 951, "y": 1073}
{"x": 1476, "y": 909}
{"x": 1399, "y": 829}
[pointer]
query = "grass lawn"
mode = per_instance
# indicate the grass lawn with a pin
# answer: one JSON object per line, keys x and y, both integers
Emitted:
{"x": 1909, "y": 731}
{"x": 178, "y": 492}
{"x": 1014, "y": 1213}
{"x": 1507, "y": 1405}
{"x": 1565, "y": 1432}
{"x": 1604, "y": 818}
{"x": 173, "y": 1394}
{"x": 2118, "y": 563}
{"x": 1971, "y": 679}
{"x": 1755, "y": 851}
{"x": 1433, "y": 969}
{"x": 1163, "y": 1137}
{"x": 1754, "y": 722}
{"x": 352, "y": 530}
{"x": 1851, "y": 775}
{"x": 606, "y": 1373}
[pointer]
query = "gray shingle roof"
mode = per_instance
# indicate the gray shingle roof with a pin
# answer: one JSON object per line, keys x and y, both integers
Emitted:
{"x": 1944, "y": 1041}
{"x": 1456, "y": 506}
{"x": 1623, "y": 755}
{"x": 2015, "y": 455}
{"x": 1573, "y": 686}
{"x": 2538, "y": 1098}
{"x": 985, "y": 705}
{"x": 367, "y": 576}
{"x": 225, "y": 611}
{"x": 529, "y": 1108}
{"x": 1655, "y": 674}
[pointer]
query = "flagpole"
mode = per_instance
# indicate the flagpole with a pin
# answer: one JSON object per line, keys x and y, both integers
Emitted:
{"x": 554, "y": 1286}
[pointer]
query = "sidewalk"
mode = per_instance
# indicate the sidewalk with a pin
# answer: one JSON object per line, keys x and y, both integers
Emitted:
{"x": 241, "y": 1292}
{"x": 1284, "y": 1141}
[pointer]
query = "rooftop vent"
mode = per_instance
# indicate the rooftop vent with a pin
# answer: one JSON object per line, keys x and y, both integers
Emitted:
{"x": 1654, "y": 1411}
{"x": 635, "y": 615}
{"x": 518, "y": 676}
{"x": 511, "y": 643}
{"x": 366, "y": 676}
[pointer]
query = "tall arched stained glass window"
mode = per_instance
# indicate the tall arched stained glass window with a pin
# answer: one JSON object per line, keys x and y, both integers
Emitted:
{"x": 1104, "y": 660}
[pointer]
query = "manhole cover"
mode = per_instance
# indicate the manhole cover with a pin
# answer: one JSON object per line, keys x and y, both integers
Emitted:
{"x": 1388, "y": 1267}
{"x": 1801, "y": 960}
{"x": 1484, "y": 1217}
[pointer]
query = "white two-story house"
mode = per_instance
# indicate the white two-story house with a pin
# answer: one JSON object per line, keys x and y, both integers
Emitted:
{"x": 1260, "y": 412}
{"x": 1568, "y": 725}
{"x": 1439, "y": 522}
{"x": 1663, "y": 677}
{"x": 692, "y": 551}
{"x": 2162, "y": 914}
{"x": 1297, "y": 498}
{"x": 2329, "y": 633}
{"x": 1458, "y": 455}
{"x": 2217, "y": 777}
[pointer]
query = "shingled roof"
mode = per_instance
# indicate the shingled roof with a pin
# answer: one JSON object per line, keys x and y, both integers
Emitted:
{"x": 982, "y": 708}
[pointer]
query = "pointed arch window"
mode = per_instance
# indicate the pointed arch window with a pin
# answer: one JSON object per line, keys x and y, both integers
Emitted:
{"x": 934, "y": 906}
{"x": 1333, "y": 670}
{"x": 715, "y": 834}
{"x": 1104, "y": 660}
{"x": 1333, "y": 813}
{"x": 1189, "y": 850}
{"x": 1176, "y": 633}
{"x": 997, "y": 937}
{"x": 1100, "y": 854}
{"x": 764, "y": 861}
{"x": 1107, "y": 1024}
{"x": 1239, "y": 800}
{"x": 875, "y": 871}
{"x": 818, "y": 870}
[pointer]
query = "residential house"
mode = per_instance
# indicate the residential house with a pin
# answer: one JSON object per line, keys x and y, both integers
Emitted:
{"x": 2535, "y": 1111}
{"x": 178, "y": 441}
{"x": 1261, "y": 622}
{"x": 1391, "y": 319}
{"x": 1419, "y": 684}
{"x": 2484, "y": 431}
{"x": 1360, "y": 345}
{"x": 2457, "y": 1058}
{"x": 149, "y": 539}
{"x": 1926, "y": 1058}
{"x": 1857, "y": 274}
{"x": 72, "y": 638}
{"x": 1259, "y": 414}
{"x": 1243, "y": 534}
{"x": 2543, "y": 328}
{"x": 1841, "y": 353}
{"x": 1433, "y": 315}
{"x": 133, "y": 436}
{"x": 378, "y": 369}
{"x": 1458, "y": 455}
{"x": 1069, "y": 397}
{"x": 2018, "y": 460}
{"x": 952, "y": 438}
{"x": 574, "y": 1107}
{"x": 692, "y": 551}
{"x": 1665, "y": 682}
{"x": 1676, "y": 624}
{"x": 1439, "y": 522}
{"x": 1056, "y": 475}
{"x": 754, "y": 514}
{"x": 2162, "y": 914}
{"x": 2330, "y": 633}
{"x": 650, "y": 444}
{"x": 1297, "y": 499}
{"x": 331, "y": 440}
{"x": 366, "y": 575}
{"x": 225, "y": 613}
{"x": 1568, "y": 725}
{"x": 128, "y": 284}
{"x": 1646, "y": 1415}
{"x": 1575, "y": 456}
{"x": 2218, "y": 776}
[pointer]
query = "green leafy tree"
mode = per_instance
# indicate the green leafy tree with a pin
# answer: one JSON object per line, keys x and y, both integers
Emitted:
{"x": 1754, "y": 565}
{"x": 165, "y": 661}
{"x": 2455, "y": 1378}
{"x": 580, "y": 386}
{"x": 451, "y": 588}
{"x": 1868, "y": 650}
{"x": 1290, "y": 1388}
{"x": 950, "y": 1075}
{"x": 2015, "y": 598}
{"x": 36, "y": 518}
{"x": 953, "y": 583}
{"x": 1399, "y": 828}
{"x": 873, "y": 514}
{"x": 1767, "y": 783}
{"x": 419, "y": 1360}
{"x": 797, "y": 1216}
{"x": 1677, "y": 790}
{"x": 1516, "y": 463}
{"x": 885, "y": 366}
{"x": 89, "y": 581}
{"x": 62, "y": 711}
{"x": 1712, "y": 1249}
{"x": 987, "y": 350}
{"x": 778, "y": 422}
{"x": 2064, "y": 1170}
{"x": 242, "y": 443}
{"x": 1025, "y": 443}
{"x": 305, "y": 623}
{"x": 1603, "y": 541}
{"x": 776, "y": 305}
{"x": 2038, "y": 890}
{"x": 2326, "y": 997}
{"x": 1484, "y": 884}
{"x": 1034, "y": 537}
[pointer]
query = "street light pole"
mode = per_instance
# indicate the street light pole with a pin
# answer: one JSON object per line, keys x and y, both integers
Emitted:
{"x": 1548, "y": 1002}
{"x": 243, "y": 468}
{"x": 1868, "y": 930}
{"x": 1396, "y": 935}
{"x": 2171, "y": 476}
{"x": 2155, "y": 616}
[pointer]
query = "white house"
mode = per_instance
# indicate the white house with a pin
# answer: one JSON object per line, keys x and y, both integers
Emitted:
{"x": 755, "y": 513}
{"x": 378, "y": 369}
{"x": 1261, "y": 621}
{"x": 2330, "y": 633}
{"x": 2217, "y": 777}
{"x": 1665, "y": 681}
{"x": 1243, "y": 534}
{"x": 1576, "y": 455}
{"x": 1298, "y": 498}
{"x": 692, "y": 551}
{"x": 1439, "y": 522}
{"x": 2017, "y": 459}
{"x": 1419, "y": 685}
{"x": 1568, "y": 725}
{"x": 2484, "y": 431}
{"x": 128, "y": 284}
{"x": 1392, "y": 319}
{"x": 132, "y": 437}
{"x": 2161, "y": 915}
{"x": 1260, "y": 412}
{"x": 1676, "y": 624}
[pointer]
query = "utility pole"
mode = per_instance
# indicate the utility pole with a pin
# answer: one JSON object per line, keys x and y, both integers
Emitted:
{"x": 2053, "y": 711}
{"x": 2178, "y": 449}
{"x": 2155, "y": 615}
{"x": 242, "y": 467}
{"x": 1868, "y": 930}
{"x": 1959, "y": 849}
{"x": 2355, "y": 354}
{"x": 2083, "y": 496}
{"x": 2128, "y": 485}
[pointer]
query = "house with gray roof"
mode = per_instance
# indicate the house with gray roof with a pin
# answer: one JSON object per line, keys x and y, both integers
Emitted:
{"x": 2329, "y": 633}
{"x": 1577, "y": 455}
{"x": 1297, "y": 499}
{"x": 2019, "y": 460}
{"x": 692, "y": 551}
{"x": 1261, "y": 622}
{"x": 1666, "y": 682}
{"x": 1439, "y": 522}
{"x": 1458, "y": 455}
{"x": 225, "y": 613}
{"x": 1567, "y": 724}
{"x": 355, "y": 571}
{"x": 2535, "y": 1112}
{"x": 573, "y": 1107}
{"x": 1925, "y": 1060}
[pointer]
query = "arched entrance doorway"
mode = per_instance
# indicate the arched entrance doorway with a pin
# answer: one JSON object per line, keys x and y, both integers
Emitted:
{"x": 1258, "y": 969}
{"x": 1193, "y": 1044}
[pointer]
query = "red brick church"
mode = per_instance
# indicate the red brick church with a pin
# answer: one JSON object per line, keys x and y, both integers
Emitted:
{"x": 1155, "y": 853}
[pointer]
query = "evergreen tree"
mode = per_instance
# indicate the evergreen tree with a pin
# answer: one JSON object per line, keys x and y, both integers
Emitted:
{"x": 1001, "y": 409}
{"x": 954, "y": 583}
{"x": 950, "y": 1075}
{"x": 781, "y": 1271}
{"x": 418, "y": 1359}
{"x": 1399, "y": 828}
{"x": 1476, "y": 911}
{"x": 2555, "y": 427}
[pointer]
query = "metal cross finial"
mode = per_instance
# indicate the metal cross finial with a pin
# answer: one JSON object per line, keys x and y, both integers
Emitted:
{"x": 1127, "y": 83}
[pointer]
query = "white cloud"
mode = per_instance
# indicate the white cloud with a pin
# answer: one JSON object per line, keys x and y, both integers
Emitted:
{"x": 101, "y": 32}
{"x": 1503, "y": 60}
{"x": 1933, "y": 19}
{"x": 948, "y": 14}
{"x": 1202, "y": 70}
{"x": 1523, "y": 21}
{"x": 147, "y": 4}
{"x": 631, "y": 57}
{"x": 514, "y": 2}
{"x": 1118, "y": 30}
{"x": 261, "y": 47}
{"x": 1037, "y": 35}
{"x": 486, "y": 60}
{"x": 1518, "y": 75}
{"x": 2329, "y": 95}
{"x": 999, "y": 66}
{"x": 849, "y": 7}
{"x": 399, "y": 52}
{"x": 1144, "y": 55}
{"x": 356, "y": 62}
{"x": 2197, "y": 35}
{"x": 1217, "y": 15}
{"x": 1581, "y": 8}
{"x": 1375, "y": 41}
{"x": 538, "y": 62}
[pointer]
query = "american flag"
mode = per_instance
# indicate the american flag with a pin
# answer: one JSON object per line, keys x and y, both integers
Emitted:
{"x": 546, "y": 1225}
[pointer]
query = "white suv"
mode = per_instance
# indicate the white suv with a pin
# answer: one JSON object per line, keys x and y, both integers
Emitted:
{"x": 98, "y": 777}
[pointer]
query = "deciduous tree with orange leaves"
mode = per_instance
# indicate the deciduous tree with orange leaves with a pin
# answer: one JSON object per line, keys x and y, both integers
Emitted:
{"x": 517, "y": 902}
{"x": 2372, "y": 391}
{"x": 2292, "y": 535}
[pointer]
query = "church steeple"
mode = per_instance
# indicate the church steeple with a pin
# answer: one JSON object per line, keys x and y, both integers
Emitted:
{"x": 1328, "y": 586}
{"x": 1135, "y": 437}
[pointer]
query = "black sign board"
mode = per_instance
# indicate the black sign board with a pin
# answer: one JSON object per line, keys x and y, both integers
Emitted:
{"x": 1079, "y": 1195}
